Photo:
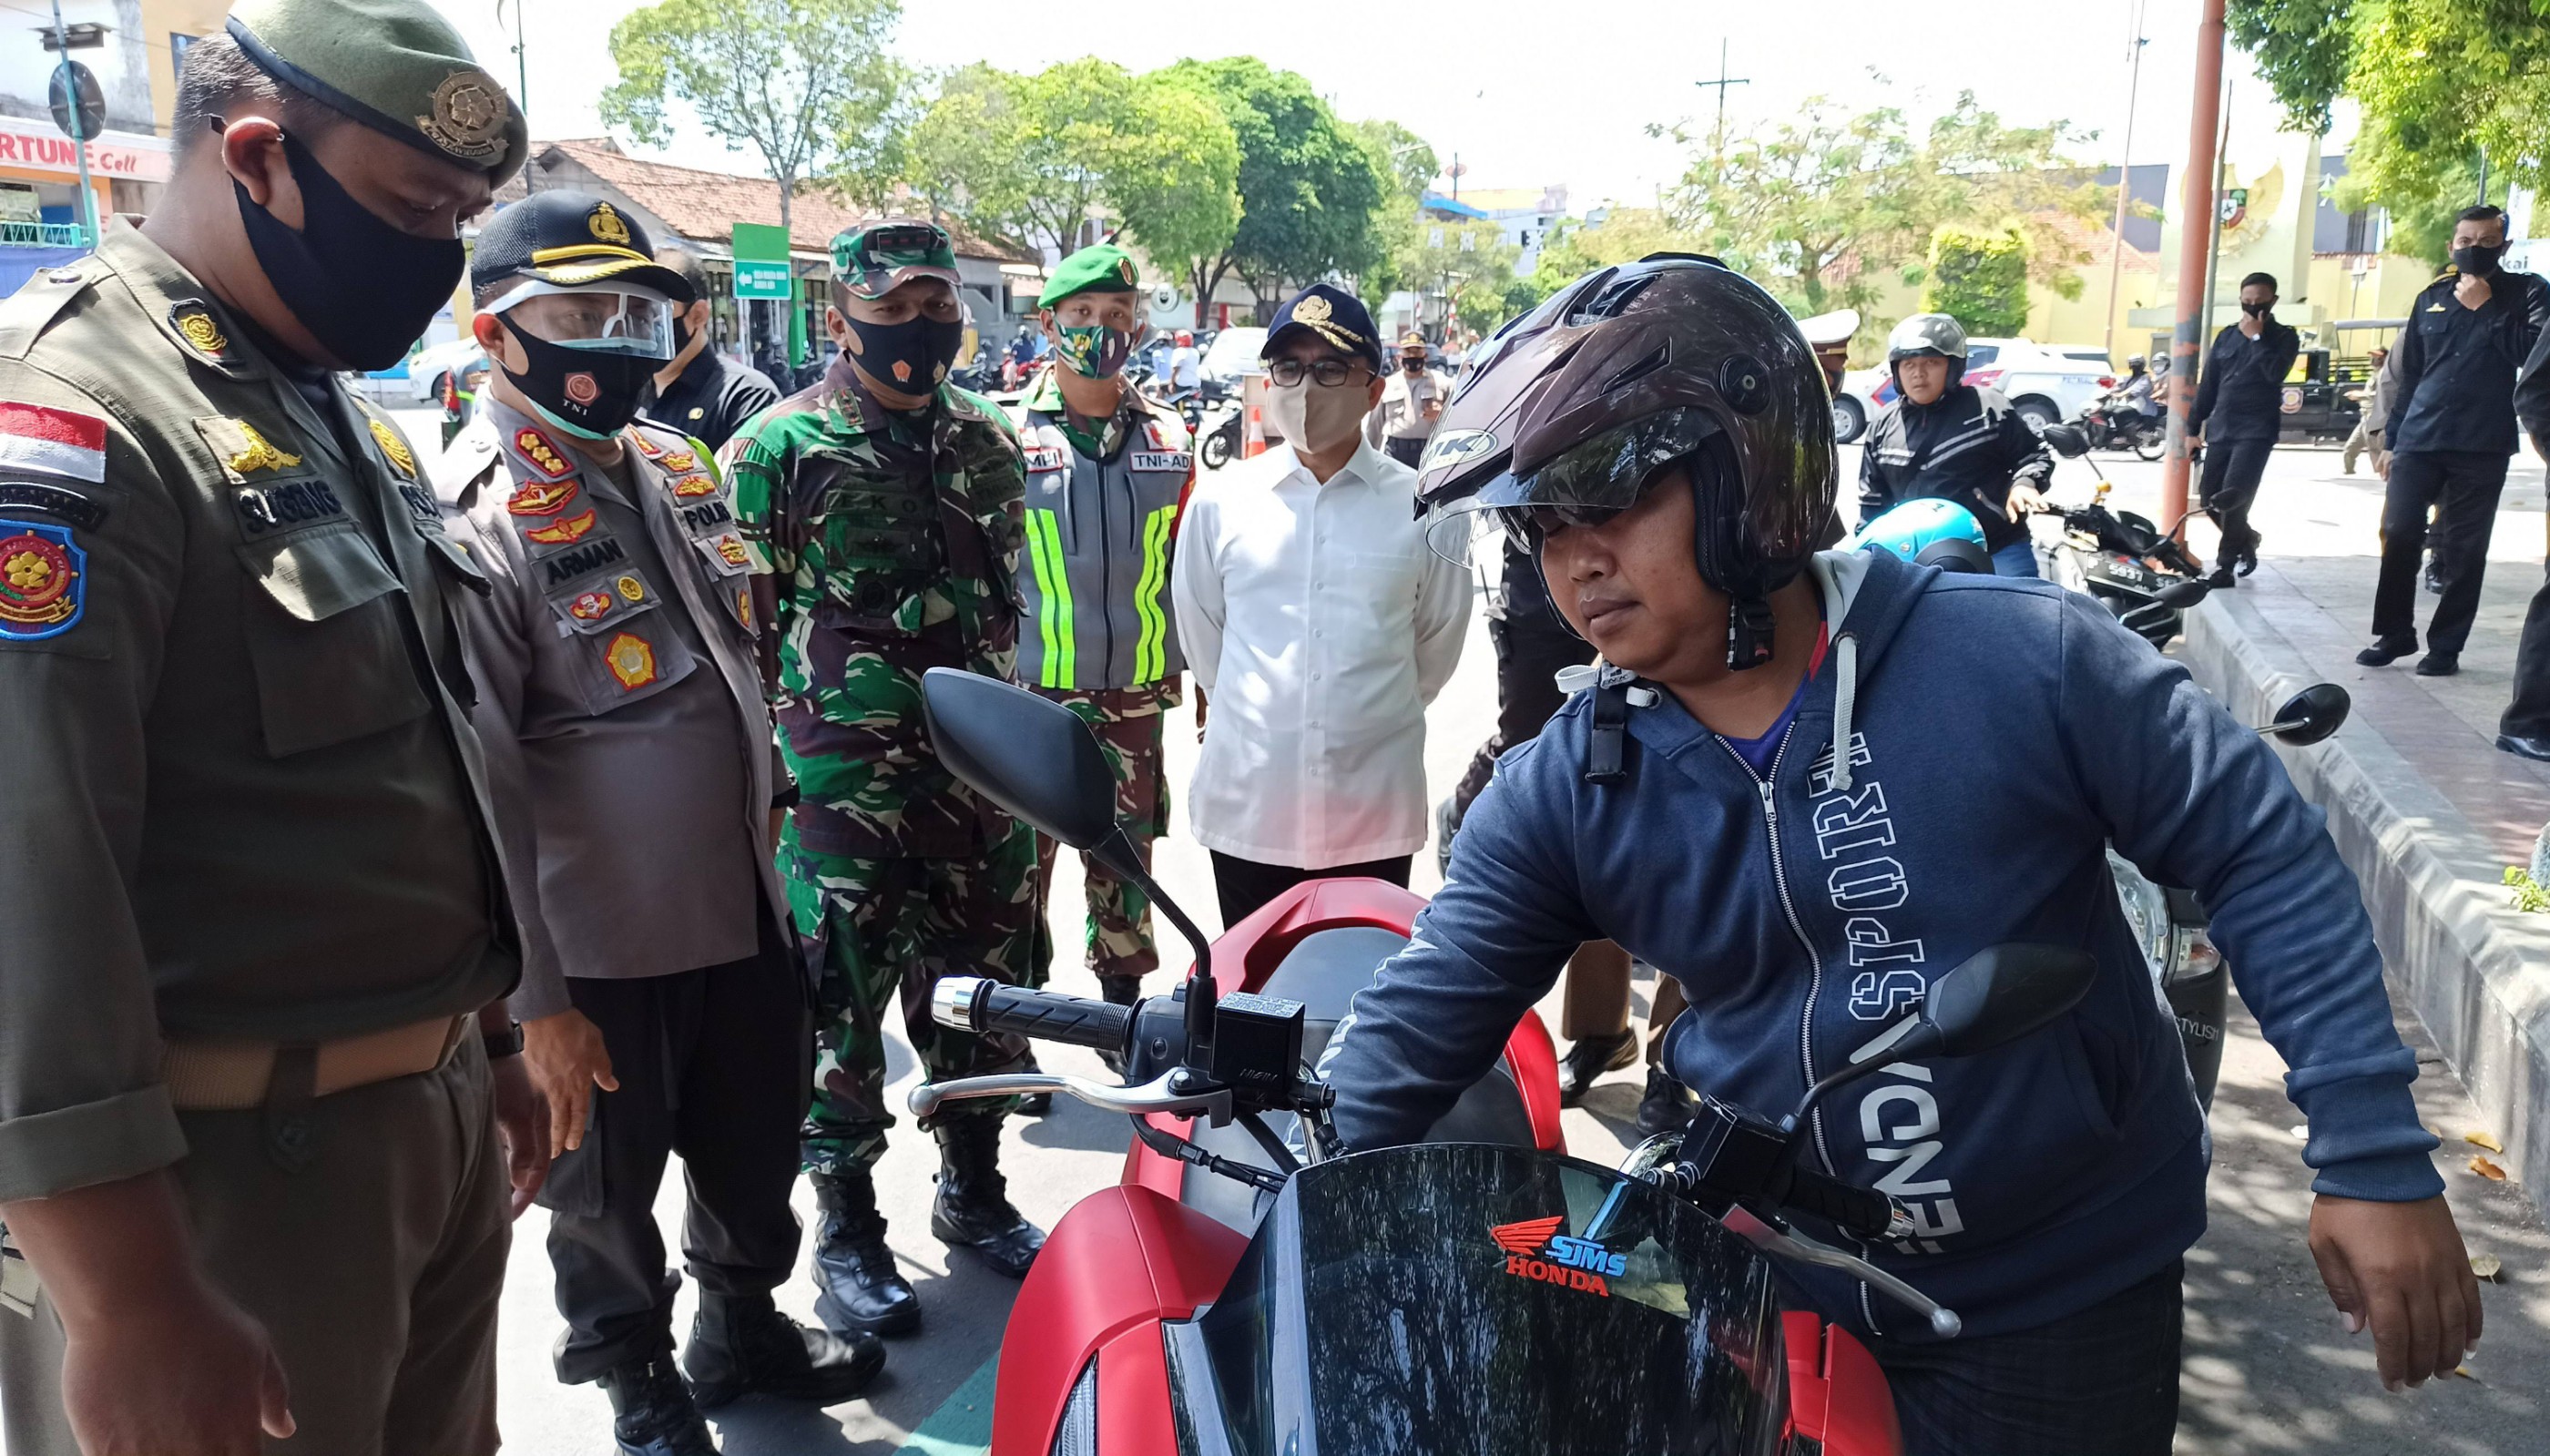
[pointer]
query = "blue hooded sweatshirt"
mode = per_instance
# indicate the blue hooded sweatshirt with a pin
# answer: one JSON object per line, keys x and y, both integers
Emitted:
{"x": 1999, "y": 733}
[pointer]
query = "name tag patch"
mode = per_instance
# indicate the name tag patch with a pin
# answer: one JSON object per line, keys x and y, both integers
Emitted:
{"x": 275, "y": 507}
{"x": 566, "y": 566}
{"x": 1047, "y": 458}
{"x": 705, "y": 516}
{"x": 1180, "y": 461}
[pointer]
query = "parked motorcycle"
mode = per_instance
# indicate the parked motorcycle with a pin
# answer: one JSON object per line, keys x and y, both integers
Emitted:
{"x": 1250, "y": 1287}
{"x": 2147, "y": 580}
{"x": 2111, "y": 423}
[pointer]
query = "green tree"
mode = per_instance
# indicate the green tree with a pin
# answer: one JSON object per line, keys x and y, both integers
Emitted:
{"x": 1310, "y": 193}
{"x": 1819, "y": 206}
{"x": 1979, "y": 278}
{"x": 807, "y": 83}
{"x": 1471, "y": 266}
{"x": 1625, "y": 235}
{"x": 1039, "y": 155}
{"x": 1405, "y": 164}
{"x": 2304, "y": 49}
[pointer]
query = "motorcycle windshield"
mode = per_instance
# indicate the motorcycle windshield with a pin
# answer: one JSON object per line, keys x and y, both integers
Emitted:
{"x": 1485, "y": 1301}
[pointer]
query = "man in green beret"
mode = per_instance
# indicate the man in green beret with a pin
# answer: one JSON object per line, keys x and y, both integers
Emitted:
{"x": 1108, "y": 472}
{"x": 880, "y": 508}
{"x": 262, "y": 1121}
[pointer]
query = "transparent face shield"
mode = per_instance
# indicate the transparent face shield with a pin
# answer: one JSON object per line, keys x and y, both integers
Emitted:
{"x": 1585, "y": 486}
{"x": 598, "y": 318}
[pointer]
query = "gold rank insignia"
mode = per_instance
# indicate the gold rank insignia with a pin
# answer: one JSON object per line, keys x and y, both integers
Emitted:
{"x": 691, "y": 486}
{"x": 195, "y": 326}
{"x": 564, "y": 531}
{"x": 632, "y": 660}
{"x": 241, "y": 449}
{"x": 536, "y": 447}
{"x": 1311, "y": 309}
{"x": 396, "y": 448}
{"x": 682, "y": 463}
{"x": 646, "y": 447}
{"x": 542, "y": 498}
{"x": 607, "y": 225}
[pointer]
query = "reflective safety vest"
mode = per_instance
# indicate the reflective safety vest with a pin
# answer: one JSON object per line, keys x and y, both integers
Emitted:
{"x": 1094, "y": 577}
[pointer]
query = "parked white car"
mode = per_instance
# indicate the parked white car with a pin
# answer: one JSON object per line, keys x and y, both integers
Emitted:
{"x": 432, "y": 364}
{"x": 1233, "y": 352}
{"x": 2044, "y": 383}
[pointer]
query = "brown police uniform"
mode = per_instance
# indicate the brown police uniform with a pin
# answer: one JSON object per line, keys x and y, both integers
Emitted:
{"x": 250, "y": 856}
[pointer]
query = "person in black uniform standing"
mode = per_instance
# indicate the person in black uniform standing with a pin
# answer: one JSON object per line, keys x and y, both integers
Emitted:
{"x": 2524, "y": 730}
{"x": 2239, "y": 412}
{"x": 2451, "y": 431}
{"x": 701, "y": 391}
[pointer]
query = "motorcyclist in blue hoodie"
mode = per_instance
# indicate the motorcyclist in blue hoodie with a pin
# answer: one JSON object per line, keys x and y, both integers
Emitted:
{"x": 1808, "y": 783}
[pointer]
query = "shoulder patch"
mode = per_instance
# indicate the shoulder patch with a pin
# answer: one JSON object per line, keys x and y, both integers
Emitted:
{"x": 544, "y": 457}
{"x": 53, "y": 441}
{"x": 43, "y": 581}
{"x": 52, "y": 499}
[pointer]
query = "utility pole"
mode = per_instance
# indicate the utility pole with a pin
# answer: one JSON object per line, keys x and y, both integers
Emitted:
{"x": 79, "y": 123}
{"x": 2124, "y": 183}
{"x": 2221, "y": 193}
{"x": 522, "y": 76}
{"x": 1717, "y": 143}
{"x": 2195, "y": 248}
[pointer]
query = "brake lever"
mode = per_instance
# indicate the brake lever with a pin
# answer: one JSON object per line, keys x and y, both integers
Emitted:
{"x": 1155, "y": 1096}
{"x": 1781, "y": 1241}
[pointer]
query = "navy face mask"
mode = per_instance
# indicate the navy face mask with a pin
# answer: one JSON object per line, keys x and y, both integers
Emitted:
{"x": 362, "y": 288}
{"x": 911, "y": 357}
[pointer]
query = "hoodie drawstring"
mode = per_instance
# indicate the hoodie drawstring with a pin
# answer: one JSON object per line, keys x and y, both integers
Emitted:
{"x": 1845, "y": 691}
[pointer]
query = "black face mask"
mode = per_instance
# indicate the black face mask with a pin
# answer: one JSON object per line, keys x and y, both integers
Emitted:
{"x": 582, "y": 391}
{"x": 2257, "y": 310}
{"x": 912, "y": 356}
{"x": 362, "y": 288}
{"x": 2477, "y": 261}
{"x": 681, "y": 334}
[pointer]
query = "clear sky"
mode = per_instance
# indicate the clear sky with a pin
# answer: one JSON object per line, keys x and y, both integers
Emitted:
{"x": 1523, "y": 101}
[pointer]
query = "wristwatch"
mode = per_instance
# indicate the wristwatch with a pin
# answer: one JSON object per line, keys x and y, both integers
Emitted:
{"x": 505, "y": 1043}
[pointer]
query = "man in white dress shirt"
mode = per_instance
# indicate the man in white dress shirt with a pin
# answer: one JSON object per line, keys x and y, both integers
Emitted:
{"x": 1317, "y": 625}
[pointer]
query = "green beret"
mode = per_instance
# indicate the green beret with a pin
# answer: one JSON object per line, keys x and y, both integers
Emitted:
{"x": 1101, "y": 268}
{"x": 395, "y": 65}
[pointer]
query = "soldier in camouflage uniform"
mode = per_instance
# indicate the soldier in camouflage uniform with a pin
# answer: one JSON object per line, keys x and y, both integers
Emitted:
{"x": 1107, "y": 473}
{"x": 882, "y": 507}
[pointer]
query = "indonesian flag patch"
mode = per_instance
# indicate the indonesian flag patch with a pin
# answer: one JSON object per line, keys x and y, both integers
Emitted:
{"x": 53, "y": 442}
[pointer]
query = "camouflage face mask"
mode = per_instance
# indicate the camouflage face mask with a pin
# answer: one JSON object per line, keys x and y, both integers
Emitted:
{"x": 1094, "y": 350}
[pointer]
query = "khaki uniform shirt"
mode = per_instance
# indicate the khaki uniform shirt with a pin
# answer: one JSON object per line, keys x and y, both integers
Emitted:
{"x": 244, "y": 801}
{"x": 1401, "y": 415}
{"x": 627, "y": 737}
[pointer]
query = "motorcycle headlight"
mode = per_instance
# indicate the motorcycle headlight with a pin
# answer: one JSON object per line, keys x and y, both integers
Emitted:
{"x": 1077, "y": 1435}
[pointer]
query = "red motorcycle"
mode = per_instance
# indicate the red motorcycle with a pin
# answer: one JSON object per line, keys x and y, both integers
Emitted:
{"x": 1251, "y": 1289}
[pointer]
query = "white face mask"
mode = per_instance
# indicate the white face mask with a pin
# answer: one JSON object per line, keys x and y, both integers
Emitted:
{"x": 1315, "y": 419}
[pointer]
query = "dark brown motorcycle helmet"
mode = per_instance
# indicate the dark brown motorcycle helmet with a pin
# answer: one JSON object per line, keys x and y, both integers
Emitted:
{"x": 1570, "y": 411}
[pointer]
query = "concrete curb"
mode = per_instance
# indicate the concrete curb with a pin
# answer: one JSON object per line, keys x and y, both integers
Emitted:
{"x": 2476, "y": 971}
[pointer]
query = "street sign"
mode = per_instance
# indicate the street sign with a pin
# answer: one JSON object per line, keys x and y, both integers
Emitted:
{"x": 92, "y": 100}
{"x": 761, "y": 261}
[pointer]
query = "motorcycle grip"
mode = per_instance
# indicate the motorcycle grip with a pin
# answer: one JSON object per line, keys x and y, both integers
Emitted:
{"x": 1861, "y": 1212}
{"x": 1049, "y": 1015}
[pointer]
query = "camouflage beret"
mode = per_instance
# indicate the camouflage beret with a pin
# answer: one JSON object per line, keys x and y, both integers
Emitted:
{"x": 395, "y": 65}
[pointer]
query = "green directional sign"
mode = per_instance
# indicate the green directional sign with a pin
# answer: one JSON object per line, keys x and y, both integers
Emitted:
{"x": 761, "y": 261}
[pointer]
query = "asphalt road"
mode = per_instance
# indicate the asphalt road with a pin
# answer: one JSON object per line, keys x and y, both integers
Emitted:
{"x": 2267, "y": 1368}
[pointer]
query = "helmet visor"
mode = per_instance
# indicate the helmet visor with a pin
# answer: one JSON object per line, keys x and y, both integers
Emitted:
{"x": 1586, "y": 485}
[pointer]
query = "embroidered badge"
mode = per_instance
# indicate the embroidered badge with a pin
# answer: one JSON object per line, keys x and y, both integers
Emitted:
{"x": 54, "y": 499}
{"x": 394, "y": 448}
{"x": 242, "y": 450}
{"x": 542, "y": 498}
{"x": 744, "y": 606}
{"x": 566, "y": 531}
{"x": 592, "y": 556}
{"x": 537, "y": 448}
{"x": 630, "y": 588}
{"x": 607, "y": 225}
{"x": 52, "y": 442}
{"x": 281, "y": 507}
{"x": 681, "y": 462}
{"x": 197, "y": 328}
{"x": 646, "y": 447}
{"x": 590, "y": 606}
{"x": 44, "y": 576}
{"x": 632, "y": 661}
{"x": 468, "y": 115}
{"x": 691, "y": 486}
{"x": 1311, "y": 309}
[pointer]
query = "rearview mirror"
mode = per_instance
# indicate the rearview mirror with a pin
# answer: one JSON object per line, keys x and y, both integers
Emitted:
{"x": 2066, "y": 440}
{"x": 1032, "y": 757}
{"x": 2311, "y": 714}
{"x": 2178, "y": 596}
{"x": 1998, "y": 995}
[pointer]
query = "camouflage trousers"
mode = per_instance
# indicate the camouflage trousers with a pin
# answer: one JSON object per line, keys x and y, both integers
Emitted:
{"x": 879, "y": 929}
{"x": 1127, "y": 725}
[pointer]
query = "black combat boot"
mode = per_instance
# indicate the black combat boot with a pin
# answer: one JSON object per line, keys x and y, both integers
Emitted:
{"x": 862, "y": 1291}
{"x": 972, "y": 1210}
{"x": 1666, "y": 1107}
{"x": 652, "y": 1414}
{"x": 742, "y": 1346}
{"x": 1119, "y": 991}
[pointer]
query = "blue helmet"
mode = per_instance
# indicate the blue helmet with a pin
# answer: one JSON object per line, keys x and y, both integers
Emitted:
{"x": 1929, "y": 532}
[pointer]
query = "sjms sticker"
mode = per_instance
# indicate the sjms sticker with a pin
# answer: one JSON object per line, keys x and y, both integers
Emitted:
{"x": 43, "y": 581}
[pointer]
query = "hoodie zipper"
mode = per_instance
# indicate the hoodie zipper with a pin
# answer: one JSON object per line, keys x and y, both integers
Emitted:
{"x": 1788, "y": 907}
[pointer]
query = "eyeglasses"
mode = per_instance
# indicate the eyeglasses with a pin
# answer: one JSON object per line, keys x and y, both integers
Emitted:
{"x": 1329, "y": 373}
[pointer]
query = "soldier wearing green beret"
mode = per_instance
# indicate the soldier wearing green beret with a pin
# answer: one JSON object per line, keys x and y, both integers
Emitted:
{"x": 881, "y": 508}
{"x": 1107, "y": 473}
{"x": 261, "y": 1126}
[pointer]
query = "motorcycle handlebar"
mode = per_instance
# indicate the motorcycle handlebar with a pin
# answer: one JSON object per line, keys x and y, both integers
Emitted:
{"x": 1861, "y": 1212}
{"x": 972, "y": 1004}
